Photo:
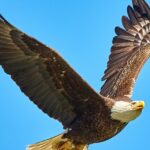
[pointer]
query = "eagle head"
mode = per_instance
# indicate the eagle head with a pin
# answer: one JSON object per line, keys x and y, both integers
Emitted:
{"x": 126, "y": 111}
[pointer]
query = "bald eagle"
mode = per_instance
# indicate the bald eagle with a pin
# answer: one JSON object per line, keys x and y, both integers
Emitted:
{"x": 49, "y": 82}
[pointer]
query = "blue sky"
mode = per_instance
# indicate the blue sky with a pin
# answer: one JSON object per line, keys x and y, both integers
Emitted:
{"x": 81, "y": 31}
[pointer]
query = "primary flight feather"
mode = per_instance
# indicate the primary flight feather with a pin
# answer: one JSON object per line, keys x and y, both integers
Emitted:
{"x": 46, "y": 78}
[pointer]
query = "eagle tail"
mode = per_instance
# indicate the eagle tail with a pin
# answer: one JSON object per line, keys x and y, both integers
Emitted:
{"x": 57, "y": 143}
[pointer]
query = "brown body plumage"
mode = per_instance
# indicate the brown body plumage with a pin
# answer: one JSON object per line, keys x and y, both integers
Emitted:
{"x": 90, "y": 127}
{"x": 44, "y": 76}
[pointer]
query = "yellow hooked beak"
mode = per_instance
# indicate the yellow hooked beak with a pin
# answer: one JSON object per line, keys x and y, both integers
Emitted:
{"x": 138, "y": 105}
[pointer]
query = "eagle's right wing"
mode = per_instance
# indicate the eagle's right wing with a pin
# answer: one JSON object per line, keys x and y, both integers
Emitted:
{"x": 130, "y": 50}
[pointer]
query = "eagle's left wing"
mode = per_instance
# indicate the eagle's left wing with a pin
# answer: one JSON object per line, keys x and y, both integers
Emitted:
{"x": 130, "y": 50}
{"x": 45, "y": 77}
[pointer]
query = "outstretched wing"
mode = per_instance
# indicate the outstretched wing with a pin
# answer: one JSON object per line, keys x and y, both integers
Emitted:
{"x": 44, "y": 76}
{"x": 130, "y": 50}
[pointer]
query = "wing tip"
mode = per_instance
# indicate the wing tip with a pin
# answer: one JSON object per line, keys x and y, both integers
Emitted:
{"x": 142, "y": 7}
{"x": 4, "y": 21}
{"x": 2, "y": 18}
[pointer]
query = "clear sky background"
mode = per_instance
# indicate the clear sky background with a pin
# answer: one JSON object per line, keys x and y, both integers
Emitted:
{"x": 81, "y": 31}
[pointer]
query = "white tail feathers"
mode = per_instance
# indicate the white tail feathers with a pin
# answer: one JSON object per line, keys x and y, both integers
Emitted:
{"x": 57, "y": 143}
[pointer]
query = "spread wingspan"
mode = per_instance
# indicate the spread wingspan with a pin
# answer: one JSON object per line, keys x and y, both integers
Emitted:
{"x": 130, "y": 50}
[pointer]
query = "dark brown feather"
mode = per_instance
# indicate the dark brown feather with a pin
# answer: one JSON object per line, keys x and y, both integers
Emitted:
{"x": 132, "y": 16}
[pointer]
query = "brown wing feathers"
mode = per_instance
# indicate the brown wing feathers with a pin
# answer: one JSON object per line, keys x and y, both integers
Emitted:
{"x": 29, "y": 72}
{"x": 129, "y": 51}
{"x": 44, "y": 76}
